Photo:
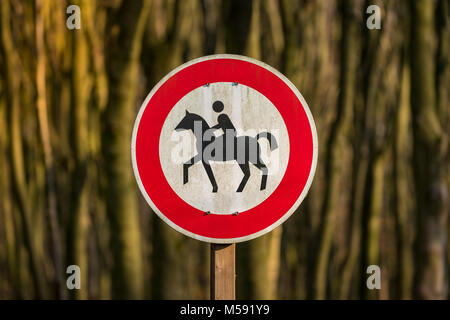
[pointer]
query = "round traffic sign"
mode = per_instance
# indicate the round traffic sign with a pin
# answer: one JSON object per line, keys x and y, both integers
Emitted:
{"x": 224, "y": 148}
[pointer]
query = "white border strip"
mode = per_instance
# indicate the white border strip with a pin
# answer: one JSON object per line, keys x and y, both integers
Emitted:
{"x": 311, "y": 173}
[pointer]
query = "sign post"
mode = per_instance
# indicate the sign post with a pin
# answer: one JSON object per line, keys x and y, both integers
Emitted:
{"x": 224, "y": 150}
{"x": 223, "y": 272}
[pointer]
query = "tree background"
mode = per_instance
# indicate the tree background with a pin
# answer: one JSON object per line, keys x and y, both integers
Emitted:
{"x": 380, "y": 99}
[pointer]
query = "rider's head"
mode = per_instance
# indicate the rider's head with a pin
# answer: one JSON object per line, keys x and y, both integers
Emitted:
{"x": 217, "y": 106}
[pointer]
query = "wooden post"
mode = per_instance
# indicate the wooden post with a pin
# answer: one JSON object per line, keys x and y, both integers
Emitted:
{"x": 223, "y": 272}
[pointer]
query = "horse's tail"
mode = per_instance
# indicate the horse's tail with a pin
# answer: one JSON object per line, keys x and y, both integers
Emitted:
{"x": 272, "y": 141}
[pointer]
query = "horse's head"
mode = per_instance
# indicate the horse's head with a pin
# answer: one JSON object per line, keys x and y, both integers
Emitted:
{"x": 188, "y": 121}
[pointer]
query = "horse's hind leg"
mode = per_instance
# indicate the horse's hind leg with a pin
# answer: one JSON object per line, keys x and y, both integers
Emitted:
{"x": 261, "y": 166}
{"x": 209, "y": 171}
{"x": 246, "y": 170}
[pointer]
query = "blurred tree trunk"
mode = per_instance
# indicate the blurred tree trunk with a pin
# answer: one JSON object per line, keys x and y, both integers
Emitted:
{"x": 236, "y": 33}
{"x": 77, "y": 235}
{"x": 12, "y": 81}
{"x": 377, "y": 89}
{"x": 11, "y": 277}
{"x": 443, "y": 63}
{"x": 443, "y": 80}
{"x": 430, "y": 149}
{"x": 118, "y": 120}
{"x": 52, "y": 215}
{"x": 168, "y": 259}
{"x": 337, "y": 142}
{"x": 258, "y": 267}
{"x": 402, "y": 189}
{"x": 169, "y": 262}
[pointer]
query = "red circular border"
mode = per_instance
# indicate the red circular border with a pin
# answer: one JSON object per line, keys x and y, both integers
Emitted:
{"x": 147, "y": 148}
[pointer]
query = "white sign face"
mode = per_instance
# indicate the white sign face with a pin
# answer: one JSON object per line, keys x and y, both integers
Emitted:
{"x": 250, "y": 113}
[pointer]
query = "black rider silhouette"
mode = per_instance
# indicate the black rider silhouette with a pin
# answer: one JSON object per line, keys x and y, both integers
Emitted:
{"x": 224, "y": 122}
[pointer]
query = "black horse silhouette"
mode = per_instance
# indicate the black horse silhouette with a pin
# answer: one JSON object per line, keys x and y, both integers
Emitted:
{"x": 243, "y": 149}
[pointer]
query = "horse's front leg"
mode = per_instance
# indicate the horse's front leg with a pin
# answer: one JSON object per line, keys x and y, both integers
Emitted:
{"x": 210, "y": 174}
{"x": 187, "y": 165}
